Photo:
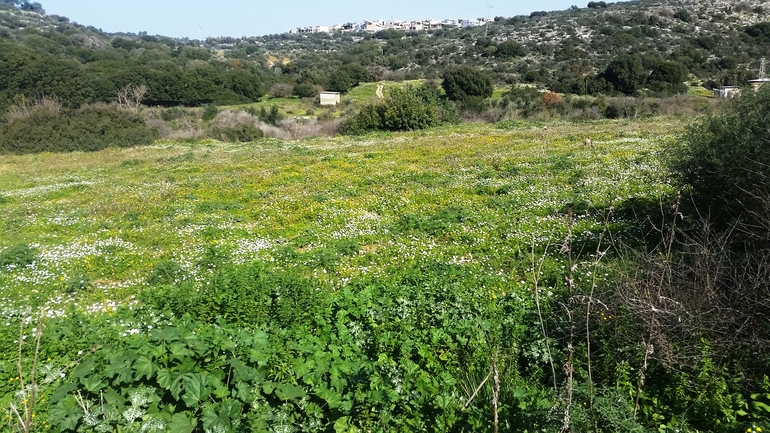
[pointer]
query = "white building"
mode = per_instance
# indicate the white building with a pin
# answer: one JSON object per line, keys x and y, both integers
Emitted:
{"x": 330, "y": 98}
{"x": 727, "y": 92}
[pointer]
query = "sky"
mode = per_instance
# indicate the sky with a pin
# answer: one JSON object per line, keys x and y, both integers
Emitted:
{"x": 191, "y": 18}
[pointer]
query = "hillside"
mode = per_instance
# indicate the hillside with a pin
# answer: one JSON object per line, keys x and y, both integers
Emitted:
{"x": 714, "y": 42}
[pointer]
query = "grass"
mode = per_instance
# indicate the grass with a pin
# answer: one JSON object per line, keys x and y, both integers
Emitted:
{"x": 476, "y": 195}
{"x": 366, "y": 92}
{"x": 700, "y": 91}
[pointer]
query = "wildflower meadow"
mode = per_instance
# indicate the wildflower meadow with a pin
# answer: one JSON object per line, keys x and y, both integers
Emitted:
{"x": 391, "y": 282}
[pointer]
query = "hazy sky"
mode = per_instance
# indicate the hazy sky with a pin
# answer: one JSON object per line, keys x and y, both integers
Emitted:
{"x": 179, "y": 18}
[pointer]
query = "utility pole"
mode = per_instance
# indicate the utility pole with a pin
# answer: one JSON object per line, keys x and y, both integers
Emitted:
{"x": 762, "y": 74}
{"x": 489, "y": 9}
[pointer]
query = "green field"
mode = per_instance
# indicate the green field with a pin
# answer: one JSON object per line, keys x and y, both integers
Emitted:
{"x": 342, "y": 284}
{"x": 113, "y": 215}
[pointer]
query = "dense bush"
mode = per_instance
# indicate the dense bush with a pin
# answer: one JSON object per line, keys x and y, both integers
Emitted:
{"x": 626, "y": 73}
{"x": 88, "y": 129}
{"x": 724, "y": 159}
{"x": 510, "y": 49}
{"x": 668, "y": 77}
{"x": 464, "y": 81}
{"x": 238, "y": 133}
{"x": 410, "y": 108}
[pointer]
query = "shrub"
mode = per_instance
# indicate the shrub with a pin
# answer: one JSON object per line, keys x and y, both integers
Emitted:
{"x": 551, "y": 98}
{"x": 682, "y": 15}
{"x": 510, "y": 49}
{"x": 280, "y": 90}
{"x": 77, "y": 282}
{"x": 464, "y": 81}
{"x": 210, "y": 112}
{"x": 17, "y": 255}
{"x": 166, "y": 272}
{"x": 88, "y": 129}
{"x": 305, "y": 90}
{"x": 404, "y": 109}
{"x": 475, "y": 104}
{"x": 239, "y": 133}
{"x": 724, "y": 159}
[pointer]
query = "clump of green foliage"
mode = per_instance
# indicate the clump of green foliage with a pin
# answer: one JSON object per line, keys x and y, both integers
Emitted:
{"x": 462, "y": 82}
{"x": 165, "y": 272}
{"x": 510, "y": 49}
{"x": 272, "y": 116}
{"x": 240, "y": 133}
{"x": 723, "y": 159}
{"x": 17, "y": 255}
{"x": 47, "y": 129}
{"x": 77, "y": 282}
{"x": 407, "y": 109}
{"x": 210, "y": 112}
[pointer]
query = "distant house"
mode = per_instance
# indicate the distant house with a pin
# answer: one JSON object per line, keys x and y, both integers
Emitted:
{"x": 471, "y": 23}
{"x": 372, "y": 26}
{"x": 330, "y": 98}
{"x": 727, "y": 91}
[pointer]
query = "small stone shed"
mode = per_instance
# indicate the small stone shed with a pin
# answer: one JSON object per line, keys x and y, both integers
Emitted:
{"x": 330, "y": 98}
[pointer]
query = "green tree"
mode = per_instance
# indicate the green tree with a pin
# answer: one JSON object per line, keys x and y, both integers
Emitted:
{"x": 510, "y": 49}
{"x": 463, "y": 81}
{"x": 668, "y": 77}
{"x": 246, "y": 83}
{"x": 626, "y": 73}
{"x": 683, "y": 15}
{"x": 346, "y": 77}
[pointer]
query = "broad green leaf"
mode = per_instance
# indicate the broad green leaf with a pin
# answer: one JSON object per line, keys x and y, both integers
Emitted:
{"x": 222, "y": 392}
{"x": 158, "y": 351}
{"x": 261, "y": 340}
{"x": 63, "y": 391}
{"x": 338, "y": 382}
{"x": 196, "y": 389}
{"x": 85, "y": 368}
{"x": 172, "y": 381}
{"x": 302, "y": 368}
{"x": 187, "y": 365}
{"x": 119, "y": 368}
{"x": 224, "y": 415}
{"x": 181, "y": 423}
{"x": 144, "y": 367}
{"x": 65, "y": 414}
{"x": 760, "y": 405}
{"x": 286, "y": 391}
{"x": 333, "y": 398}
{"x": 179, "y": 350}
{"x": 165, "y": 378}
{"x": 169, "y": 334}
{"x": 92, "y": 384}
{"x": 113, "y": 398}
{"x": 242, "y": 372}
{"x": 343, "y": 426}
{"x": 445, "y": 401}
{"x": 244, "y": 392}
